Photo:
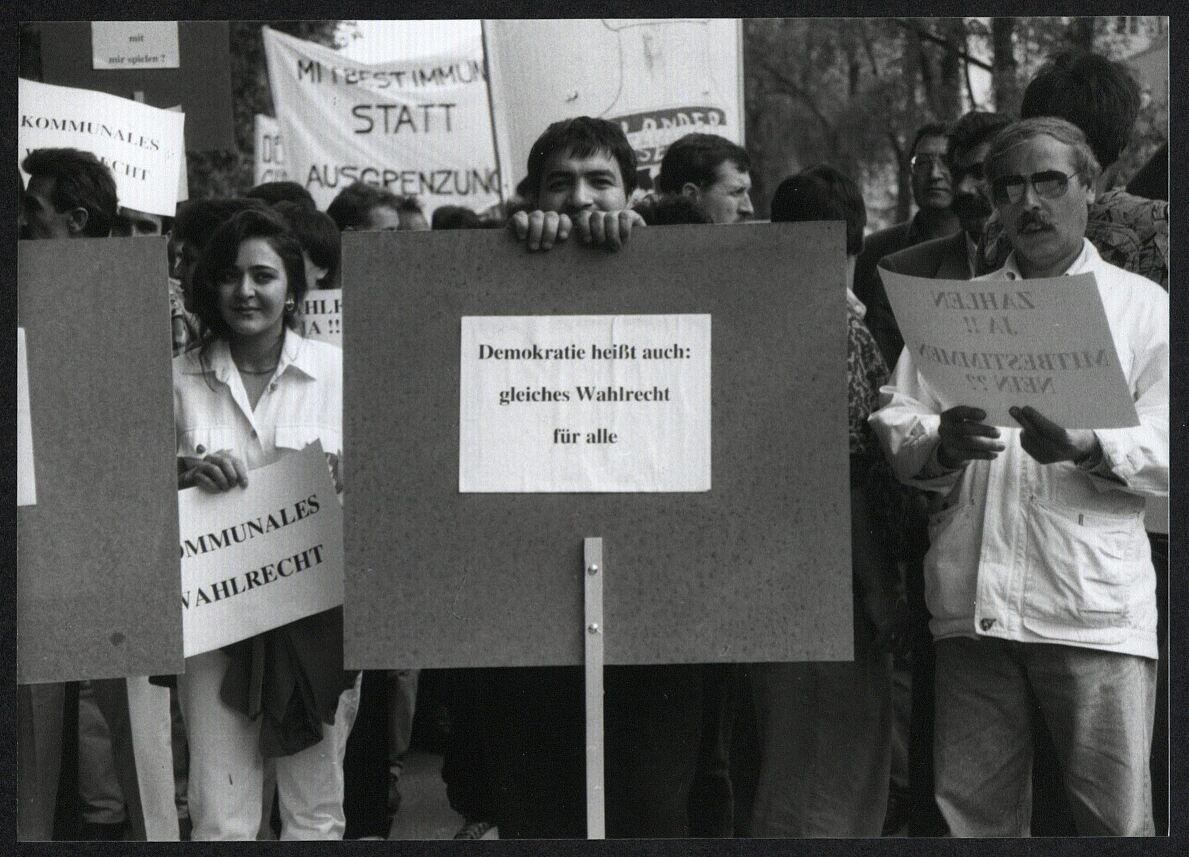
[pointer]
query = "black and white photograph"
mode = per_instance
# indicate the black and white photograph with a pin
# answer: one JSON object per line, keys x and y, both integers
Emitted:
{"x": 577, "y": 428}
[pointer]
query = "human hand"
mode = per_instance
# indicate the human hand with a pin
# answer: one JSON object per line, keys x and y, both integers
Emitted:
{"x": 219, "y": 471}
{"x": 964, "y": 437}
{"x": 610, "y": 229}
{"x": 1049, "y": 443}
{"x": 540, "y": 230}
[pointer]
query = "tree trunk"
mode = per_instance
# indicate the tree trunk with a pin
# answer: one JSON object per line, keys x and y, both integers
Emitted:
{"x": 1081, "y": 33}
{"x": 949, "y": 83}
{"x": 1005, "y": 83}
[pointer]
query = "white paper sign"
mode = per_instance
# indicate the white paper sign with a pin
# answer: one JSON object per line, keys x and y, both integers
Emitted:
{"x": 322, "y": 316}
{"x": 418, "y": 128}
{"x": 134, "y": 44}
{"x": 994, "y": 344}
{"x": 143, "y": 146}
{"x": 596, "y": 403}
{"x": 26, "y": 481}
{"x": 257, "y": 558}
{"x": 269, "y": 165}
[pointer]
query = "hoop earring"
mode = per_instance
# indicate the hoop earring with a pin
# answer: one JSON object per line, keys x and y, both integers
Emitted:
{"x": 290, "y": 305}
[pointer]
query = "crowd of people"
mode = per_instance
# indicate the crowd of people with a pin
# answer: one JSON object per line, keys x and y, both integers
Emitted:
{"x": 1009, "y": 642}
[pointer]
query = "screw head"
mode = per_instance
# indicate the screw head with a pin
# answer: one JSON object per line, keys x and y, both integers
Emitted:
{"x": 593, "y": 568}
{"x": 593, "y": 627}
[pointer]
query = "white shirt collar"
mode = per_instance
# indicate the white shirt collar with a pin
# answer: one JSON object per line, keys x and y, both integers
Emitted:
{"x": 218, "y": 362}
{"x": 1087, "y": 260}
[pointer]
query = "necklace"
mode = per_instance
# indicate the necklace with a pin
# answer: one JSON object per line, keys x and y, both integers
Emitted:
{"x": 261, "y": 372}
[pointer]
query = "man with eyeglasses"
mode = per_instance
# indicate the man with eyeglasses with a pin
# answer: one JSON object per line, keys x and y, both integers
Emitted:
{"x": 932, "y": 192}
{"x": 954, "y": 256}
{"x": 949, "y": 258}
{"x": 1038, "y": 575}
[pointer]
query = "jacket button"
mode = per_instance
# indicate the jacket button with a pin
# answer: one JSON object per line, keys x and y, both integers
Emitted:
{"x": 986, "y": 624}
{"x": 200, "y": 449}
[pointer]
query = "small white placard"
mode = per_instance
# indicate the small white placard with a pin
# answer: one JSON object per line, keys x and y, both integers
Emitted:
{"x": 26, "y": 481}
{"x": 260, "y": 557}
{"x": 598, "y": 403}
{"x": 994, "y": 344}
{"x": 322, "y": 316}
{"x": 134, "y": 44}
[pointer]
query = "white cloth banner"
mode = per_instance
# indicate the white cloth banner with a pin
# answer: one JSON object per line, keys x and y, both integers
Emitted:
{"x": 269, "y": 165}
{"x": 994, "y": 344}
{"x": 260, "y": 557}
{"x": 144, "y": 146}
{"x": 659, "y": 78}
{"x": 584, "y": 403}
{"x": 420, "y": 128}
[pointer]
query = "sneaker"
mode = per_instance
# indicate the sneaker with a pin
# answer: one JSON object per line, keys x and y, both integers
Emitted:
{"x": 478, "y": 830}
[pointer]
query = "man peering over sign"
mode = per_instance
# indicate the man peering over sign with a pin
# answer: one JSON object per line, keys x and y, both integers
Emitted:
{"x": 1038, "y": 576}
{"x": 579, "y": 179}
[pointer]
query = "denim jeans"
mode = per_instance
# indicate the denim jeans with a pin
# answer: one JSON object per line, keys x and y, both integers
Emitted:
{"x": 1098, "y": 707}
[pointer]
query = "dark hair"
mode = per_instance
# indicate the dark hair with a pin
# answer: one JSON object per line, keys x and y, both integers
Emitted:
{"x": 455, "y": 217}
{"x": 81, "y": 180}
{"x": 317, "y": 234}
{"x": 973, "y": 129}
{"x": 1098, "y": 96}
{"x": 582, "y": 136}
{"x": 197, "y": 219}
{"x": 822, "y": 193}
{"x": 931, "y": 129}
{"x": 696, "y": 158}
{"x": 671, "y": 211}
{"x": 220, "y": 254}
{"x": 351, "y": 207}
{"x": 274, "y": 192}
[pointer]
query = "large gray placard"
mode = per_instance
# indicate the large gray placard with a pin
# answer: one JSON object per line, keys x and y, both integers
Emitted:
{"x": 756, "y": 569}
{"x": 98, "y": 585}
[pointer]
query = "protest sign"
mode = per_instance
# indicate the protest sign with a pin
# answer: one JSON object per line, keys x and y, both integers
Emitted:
{"x": 142, "y": 145}
{"x": 97, "y": 569}
{"x": 658, "y": 78}
{"x": 755, "y": 569}
{"x": 131, "y": 44}
{"x": 260, "y": 557}
{"x": 995, "y": 344}
{"x": 26, "y": 479}
{"x": 418, "y": 128}
{"x": 585, "y": 403}
{"x": 322, "y": 316}
{"x": 200, "y": 83}
{"x": 269, "y": 165}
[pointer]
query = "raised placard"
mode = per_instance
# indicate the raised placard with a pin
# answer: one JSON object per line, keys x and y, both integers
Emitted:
{"x": 97, "y": 587}
{"x": 585, "y": 403}
{"x": 755, "y": 569}
{"x": 997, "y": 344}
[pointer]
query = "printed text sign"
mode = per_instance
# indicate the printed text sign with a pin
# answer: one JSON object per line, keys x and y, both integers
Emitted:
{"x": 994, "y": 344}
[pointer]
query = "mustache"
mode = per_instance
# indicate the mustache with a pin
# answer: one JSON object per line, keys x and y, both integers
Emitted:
{"x": 1031, "y": 218}
{"x": 969, "y": 206}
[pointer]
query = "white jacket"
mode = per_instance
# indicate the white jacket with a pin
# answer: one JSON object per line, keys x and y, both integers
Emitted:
{"x": 1046, "y": 553}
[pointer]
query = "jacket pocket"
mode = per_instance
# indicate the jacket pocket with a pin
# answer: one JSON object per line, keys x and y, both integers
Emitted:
{"x": 951, "y": 565}
{"x": 197, "y": 442}
{"x": 1080, "y": 566}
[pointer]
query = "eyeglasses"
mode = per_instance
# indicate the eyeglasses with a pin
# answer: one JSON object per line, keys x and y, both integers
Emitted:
{"x": 926, "y": 163}
{"x": 975, "y": 171}
{"x": 1050, "y": 184}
